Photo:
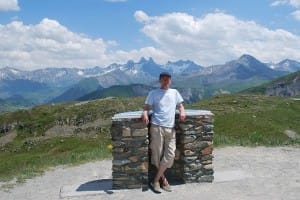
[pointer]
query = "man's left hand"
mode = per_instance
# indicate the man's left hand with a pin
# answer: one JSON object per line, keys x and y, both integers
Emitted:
{"x": 182, "y": 116}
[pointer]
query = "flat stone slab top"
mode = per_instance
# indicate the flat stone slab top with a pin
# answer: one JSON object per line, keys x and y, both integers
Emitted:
{"x": 138, "y": 114}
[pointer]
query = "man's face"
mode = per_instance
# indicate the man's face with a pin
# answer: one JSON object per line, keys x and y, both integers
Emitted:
{"x": 165, "y": 81}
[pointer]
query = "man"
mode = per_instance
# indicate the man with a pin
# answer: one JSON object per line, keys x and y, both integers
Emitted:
{"x": 163, "y": 102}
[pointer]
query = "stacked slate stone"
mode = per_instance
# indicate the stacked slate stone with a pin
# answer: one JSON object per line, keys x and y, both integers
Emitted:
{"x": 196, "y": 146}
{"x": 130, "y": 151}
{"x": 193, "y": 161}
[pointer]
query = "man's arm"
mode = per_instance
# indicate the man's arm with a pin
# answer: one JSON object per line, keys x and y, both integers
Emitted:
{"x": 182, "y": 115}
{"x": 145, "y": 114}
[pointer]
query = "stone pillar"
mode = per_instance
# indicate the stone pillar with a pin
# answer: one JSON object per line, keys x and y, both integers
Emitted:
{"x": 194, "y": 140}
{"x": 195, "y": 147}
{"x": 130, "y": 151}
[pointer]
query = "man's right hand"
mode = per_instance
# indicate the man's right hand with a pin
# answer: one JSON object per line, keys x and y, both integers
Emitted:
{"x": 145, "y": 117}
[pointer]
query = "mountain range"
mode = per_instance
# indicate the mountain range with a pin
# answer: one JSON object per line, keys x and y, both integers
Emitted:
{"x": 193, "y": 80}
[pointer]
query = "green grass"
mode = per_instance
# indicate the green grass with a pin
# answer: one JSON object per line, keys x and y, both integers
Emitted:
{"x": 27, "y": 161}
{"x": 27, "y": 156}
{"x": 251, "y": 120}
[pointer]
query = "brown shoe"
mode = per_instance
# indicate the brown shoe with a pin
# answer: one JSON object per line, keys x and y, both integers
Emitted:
{"x": 166, "y": 186}
{"x": 156, "y": 187}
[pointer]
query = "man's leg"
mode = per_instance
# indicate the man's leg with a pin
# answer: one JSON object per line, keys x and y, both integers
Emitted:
{"x": 168, "y": 156}
{"x": 156, "y": 146}
{"x": 164, "y": 140}
{"x": 160, "y": 173}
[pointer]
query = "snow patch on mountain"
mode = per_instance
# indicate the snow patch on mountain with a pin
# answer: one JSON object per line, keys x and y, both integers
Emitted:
{"x": 80, "y": 73}
{"x": 14, "y": 71}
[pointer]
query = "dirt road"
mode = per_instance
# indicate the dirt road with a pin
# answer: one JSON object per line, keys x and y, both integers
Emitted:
{"x": 240, "y": 173}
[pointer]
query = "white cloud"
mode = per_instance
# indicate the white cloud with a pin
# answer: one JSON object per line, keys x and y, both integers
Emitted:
{"x": 294, "y": 3}
{"x": 49, "y": 44}
{"x": 217, "y": 37}
{"x": 140, "y": 16}
{"x": 296, "y": 14}
{"x": 7, "y": 5}
{"x": 278, "y": 3}
{"x": 212, "y": 39}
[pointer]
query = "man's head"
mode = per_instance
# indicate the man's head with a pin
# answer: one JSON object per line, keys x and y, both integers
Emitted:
{"x": 165, "y": 80}
{"x": 164, "y": 74}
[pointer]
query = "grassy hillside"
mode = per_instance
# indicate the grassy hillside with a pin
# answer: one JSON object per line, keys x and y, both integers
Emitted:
{"x": 51, "y": 135}
{"x": 250, "y": 120}
{"x": 78, "y": 132}
{"x": 261, "y": 89}
{"x": 82, "y": 88}
{"x": 133, "y": 90}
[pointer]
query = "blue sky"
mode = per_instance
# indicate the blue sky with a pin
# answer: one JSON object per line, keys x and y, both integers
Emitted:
{"x": 86, "y": 33}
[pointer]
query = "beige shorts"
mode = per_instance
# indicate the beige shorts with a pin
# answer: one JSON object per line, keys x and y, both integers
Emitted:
{"x": 163, "y": 145}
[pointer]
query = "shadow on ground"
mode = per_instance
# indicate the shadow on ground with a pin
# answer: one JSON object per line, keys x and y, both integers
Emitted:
{"x": 97, "y": 185}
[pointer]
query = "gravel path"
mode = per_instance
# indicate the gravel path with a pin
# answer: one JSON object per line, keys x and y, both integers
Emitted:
{"x": 240, "y": 173}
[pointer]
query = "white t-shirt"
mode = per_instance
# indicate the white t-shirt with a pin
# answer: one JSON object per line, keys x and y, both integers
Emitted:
{"x": 163, "y": 103}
